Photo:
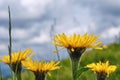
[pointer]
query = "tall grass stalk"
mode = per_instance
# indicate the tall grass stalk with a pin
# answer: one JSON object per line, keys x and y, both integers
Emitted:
{"x": 16, "y": 68}
{"x": 52, "y": 30}
{"x": 10, "y": 41}
{"x": 58, "y": 57}
{"x": 10, "y": 35}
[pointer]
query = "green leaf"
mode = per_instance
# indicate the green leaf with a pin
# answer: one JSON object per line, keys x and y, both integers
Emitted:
{"x": 80, "y": 71}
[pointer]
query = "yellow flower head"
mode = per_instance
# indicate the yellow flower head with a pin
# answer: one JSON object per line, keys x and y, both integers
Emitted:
{"x": 17, "y": 57}
{"x": 105, "y": 46}
{"x": 77, "y": 41}
{"x": 102, "y": 67}
{"x": 41, "y": 67}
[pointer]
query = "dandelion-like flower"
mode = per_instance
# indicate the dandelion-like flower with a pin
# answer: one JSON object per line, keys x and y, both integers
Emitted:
{"x": 40, "y": 68}
{"x": 102, "y": 69}
{"x": 76, "y": 44}
{"x": 77, "y": 41}
{"x": 16, "y": 59}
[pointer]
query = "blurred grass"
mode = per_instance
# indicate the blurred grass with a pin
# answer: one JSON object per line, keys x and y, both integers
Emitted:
{"x": 112, "y": 54}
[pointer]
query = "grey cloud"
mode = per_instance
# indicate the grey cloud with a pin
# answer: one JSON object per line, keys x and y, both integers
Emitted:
{"x": 71, "y": 16}
{"x": 105, "y": 13}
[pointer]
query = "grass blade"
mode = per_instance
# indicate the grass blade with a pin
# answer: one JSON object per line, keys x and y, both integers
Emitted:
{"x": 80, "y": 71}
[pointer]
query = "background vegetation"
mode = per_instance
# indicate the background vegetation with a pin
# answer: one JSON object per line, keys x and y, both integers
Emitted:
{"x": 112, "y": 54}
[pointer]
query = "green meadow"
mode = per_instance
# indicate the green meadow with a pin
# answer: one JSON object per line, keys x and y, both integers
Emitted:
{"x": 112, "y": 53}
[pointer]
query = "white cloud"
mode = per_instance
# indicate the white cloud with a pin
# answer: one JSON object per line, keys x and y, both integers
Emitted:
{"x": 20, "y": 33}
{"x": 79, "y": 29}
{"x": 3, "y": 14}
{"x": 3, "y": 47}
{"x": 92, "y": 27}
{"x": 3, "y": 32}
{"x": 42, "y": 38}
{"x": 36, "y": 8}
{"x": 1, "y": 1}
{"x": 111, "y": 32}
{"x": 33, "y": 3}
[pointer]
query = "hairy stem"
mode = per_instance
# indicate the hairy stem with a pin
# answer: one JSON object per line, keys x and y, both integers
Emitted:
{"x": 101, "y": 76}
{"x": 75, "y": 65}
{"x": 39, "y": 76}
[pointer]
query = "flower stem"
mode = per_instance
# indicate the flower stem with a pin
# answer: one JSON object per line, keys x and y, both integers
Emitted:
{"x": 101, "y": 76}
{"x": 75, "y": 65}
{"x": 75, "y": 58}
{"x": 18, "y": 75}
{"x": 39, "y": 76}
{"x": 17, "y": 68}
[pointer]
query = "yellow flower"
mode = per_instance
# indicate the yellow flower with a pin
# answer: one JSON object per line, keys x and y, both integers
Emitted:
{"x": 102, "y": 67}
{"x": 105, "y": 46}
{"x": 76, "y": 41}
{"x": 17, "y": 57}
{"x": 40, "y": 67}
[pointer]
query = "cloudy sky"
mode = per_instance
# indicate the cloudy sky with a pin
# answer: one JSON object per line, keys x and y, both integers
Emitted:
{"x": 33, "y": 21}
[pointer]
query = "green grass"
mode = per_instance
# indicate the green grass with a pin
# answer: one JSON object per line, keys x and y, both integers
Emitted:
{"x": 112, "y": 54}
